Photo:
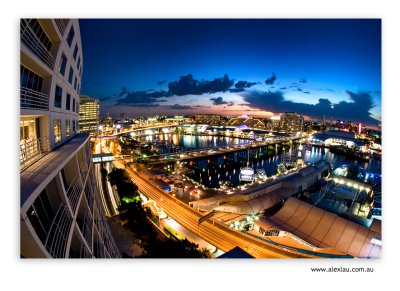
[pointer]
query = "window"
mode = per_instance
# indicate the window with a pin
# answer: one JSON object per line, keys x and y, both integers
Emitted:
{"x": 75, "y": 51}
{"x": 75, "y": 81}
{"x": 73, "y": 126}
{"x": 58, "y": 97}
{"x": 63, "y": 64}
{"x": 30, "y": 80}
{"x": 68, "y": 104}
{"x": 79, "y": 63}
{"x": 71, "y": 75}
{"x": 70, "y": 36}
{"x": 68, "y": 127}
{"x": 73, "y": 104}
{"x": 57, "y": 130}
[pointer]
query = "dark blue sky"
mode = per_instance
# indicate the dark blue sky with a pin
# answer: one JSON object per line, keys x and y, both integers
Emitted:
{"x": 256, "y": 66}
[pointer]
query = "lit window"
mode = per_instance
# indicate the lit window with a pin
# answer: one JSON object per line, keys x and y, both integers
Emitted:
{"x": 68, "y": 128}
{"x": 57, "y": 130}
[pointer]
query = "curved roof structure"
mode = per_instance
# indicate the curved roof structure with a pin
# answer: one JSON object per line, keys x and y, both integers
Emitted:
{"x": 325, "y": 230}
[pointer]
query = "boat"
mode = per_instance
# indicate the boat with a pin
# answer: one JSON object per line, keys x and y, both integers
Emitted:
{"x": 261, "y": 175}
{"x": 288, "y": 162}
{"x": 246, "y": 174}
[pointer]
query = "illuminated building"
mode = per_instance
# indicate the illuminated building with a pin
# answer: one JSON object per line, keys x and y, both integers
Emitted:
{"x": 61, "y": 214}
{"x": 89, "y": 111}
{"x": 291, "y": 121}
{"x": 246, "y": 120}
{"x": 213, "y": 119}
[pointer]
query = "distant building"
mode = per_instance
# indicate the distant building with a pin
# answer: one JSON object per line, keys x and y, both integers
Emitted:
{"x": 89, "y": 111}
{"x": 212, "y": 119}
{"x": 176, "y": 118}
{"x": 336, "y": 137}
{"x": 291, "y": 121}
{"x": 61, "y": 214}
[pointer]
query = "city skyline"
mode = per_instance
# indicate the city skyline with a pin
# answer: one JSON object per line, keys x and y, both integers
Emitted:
{"x": 260, "y": 67}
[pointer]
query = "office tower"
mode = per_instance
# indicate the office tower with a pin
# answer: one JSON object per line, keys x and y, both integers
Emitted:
{"x": 89, "y": 111}
{"x": 291, "y": 121}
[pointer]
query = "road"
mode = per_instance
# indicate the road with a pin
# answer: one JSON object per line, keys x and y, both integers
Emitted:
{"x": 218, "y": 235}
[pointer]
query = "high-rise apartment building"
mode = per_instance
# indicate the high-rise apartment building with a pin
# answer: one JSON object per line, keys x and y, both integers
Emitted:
{"x": 61, "y": 214}
{"x": 89, "y": 111}
{"x": 291, "y": 122}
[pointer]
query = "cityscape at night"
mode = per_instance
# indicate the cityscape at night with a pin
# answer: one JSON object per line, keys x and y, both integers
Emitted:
{"x": 200, "y": 138}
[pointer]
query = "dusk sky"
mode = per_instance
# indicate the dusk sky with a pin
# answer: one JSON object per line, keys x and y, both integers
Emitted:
{"x": 258, "y": 67}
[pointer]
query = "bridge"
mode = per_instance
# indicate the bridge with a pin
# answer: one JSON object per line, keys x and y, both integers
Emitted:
{"x": 142, "y": 128}
{"x": 185, "y": 155}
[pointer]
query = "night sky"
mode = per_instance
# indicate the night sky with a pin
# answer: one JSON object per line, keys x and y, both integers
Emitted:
{"x": 258, "y": 67}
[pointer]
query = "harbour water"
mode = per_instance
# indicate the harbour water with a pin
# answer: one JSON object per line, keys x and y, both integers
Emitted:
{"x": 214, "y": 172}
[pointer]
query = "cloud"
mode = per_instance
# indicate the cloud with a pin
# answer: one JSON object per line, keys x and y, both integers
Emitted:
{"x": 306, "y": 92}
{"x": 151, "y": 105}
{"x": 139, "y": 97}
{"x": 244, "y": 84}
{"x": 180, "y": 107}
{"x": 188, "y": 85}
{"x": 271, "y": 80}
{"x": 220, "y": 101}
{"x": 159, "y": 83}
{"x": 282, "y": 88}
{"x": 302, "y": 80}
{"x": 357, "y": 110}
{"x": 326, "y": 90}
{"x": 124, "y": 91}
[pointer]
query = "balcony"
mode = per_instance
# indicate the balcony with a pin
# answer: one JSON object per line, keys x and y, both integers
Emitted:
{"x": 31, "y": 99}
{"x": 33, "y": 150}
{"x": 61, "y": 24}
{"x": 32, "y": 42}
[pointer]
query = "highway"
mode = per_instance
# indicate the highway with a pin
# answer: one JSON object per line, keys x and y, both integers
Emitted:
{"x": 219, "y": 235}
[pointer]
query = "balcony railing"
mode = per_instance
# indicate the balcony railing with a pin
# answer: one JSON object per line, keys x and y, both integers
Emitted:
{"x": 31, "y": 99}
{"x": 57, "y": 237}
{"x": 32, "y": 150}
{"x": 61, "y": 24}
{"x": 74, "y": 192}
{"x": 32, "y": 42}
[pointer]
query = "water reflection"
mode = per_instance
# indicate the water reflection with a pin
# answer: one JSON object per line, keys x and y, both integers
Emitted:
{"x": 219, "y": 170}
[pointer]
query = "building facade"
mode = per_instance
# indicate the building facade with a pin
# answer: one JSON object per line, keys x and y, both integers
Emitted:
{"x": 89, "y": 112}
{"x": 291, "y": 122}
{"x": 61, "y": 215}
